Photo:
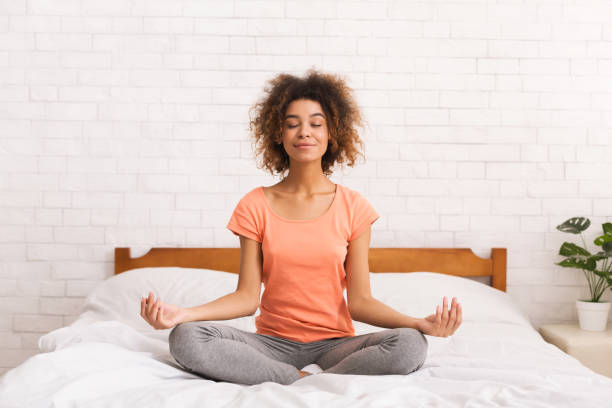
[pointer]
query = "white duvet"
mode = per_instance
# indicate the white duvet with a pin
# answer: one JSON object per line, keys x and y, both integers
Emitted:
{"x": 99, "y": 361}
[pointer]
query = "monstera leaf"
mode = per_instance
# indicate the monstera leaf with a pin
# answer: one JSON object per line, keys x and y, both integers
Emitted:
{"x": 570, "y": 249}
{"x": 606, "y": 250}
{"x": 605, "y": 275}
{"x": 606, "y": 237}
{"x": 577, "y": 257}
{"x": 578, "y": 262}
{"x": 575, "y": 225}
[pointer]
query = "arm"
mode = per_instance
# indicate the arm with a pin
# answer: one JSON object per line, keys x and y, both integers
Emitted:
{"x": 364, "y": 308}
{"x": 245, "y": 300}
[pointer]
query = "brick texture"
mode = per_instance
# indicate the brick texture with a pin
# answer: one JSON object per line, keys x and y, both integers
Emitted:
{"x": 124, "y": 123}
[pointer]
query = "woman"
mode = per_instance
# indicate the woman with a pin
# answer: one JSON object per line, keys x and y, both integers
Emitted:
{"x": 307, "y": 239}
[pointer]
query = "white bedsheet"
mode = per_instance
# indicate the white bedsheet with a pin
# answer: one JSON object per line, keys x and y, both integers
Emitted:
{"x": 111, "y": 364}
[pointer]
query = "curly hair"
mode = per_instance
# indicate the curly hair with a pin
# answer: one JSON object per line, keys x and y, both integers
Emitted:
{"x": 339, "y": 107}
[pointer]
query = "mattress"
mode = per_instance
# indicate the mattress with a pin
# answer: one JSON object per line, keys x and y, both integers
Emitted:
{"x": 495, "y": 359}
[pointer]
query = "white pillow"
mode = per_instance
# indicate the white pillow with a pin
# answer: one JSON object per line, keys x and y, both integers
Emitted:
{"x": 415, "y": 294}
{"x": 118, "y": 297}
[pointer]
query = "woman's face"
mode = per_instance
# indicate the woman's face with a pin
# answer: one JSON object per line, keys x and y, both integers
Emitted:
{"x": 305, "y": 131}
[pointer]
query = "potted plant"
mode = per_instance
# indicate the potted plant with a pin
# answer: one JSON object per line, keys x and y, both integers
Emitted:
{"x": 592, "y": 314}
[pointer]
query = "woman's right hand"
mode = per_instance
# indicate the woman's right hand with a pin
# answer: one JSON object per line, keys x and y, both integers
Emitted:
{"x": 160, "y": 315}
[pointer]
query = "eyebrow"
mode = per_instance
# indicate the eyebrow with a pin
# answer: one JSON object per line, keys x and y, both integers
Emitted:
{"x": 295, "y": 116}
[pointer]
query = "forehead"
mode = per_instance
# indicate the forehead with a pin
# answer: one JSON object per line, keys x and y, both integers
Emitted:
{"x": 304, "y": 108}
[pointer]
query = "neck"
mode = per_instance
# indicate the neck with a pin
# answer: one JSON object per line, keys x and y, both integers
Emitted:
{"x": 306, "y": 178}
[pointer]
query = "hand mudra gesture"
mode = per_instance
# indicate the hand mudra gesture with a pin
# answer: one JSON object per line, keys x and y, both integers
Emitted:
{"x": 444, "y": 322}
{"x": 160, "y": 315}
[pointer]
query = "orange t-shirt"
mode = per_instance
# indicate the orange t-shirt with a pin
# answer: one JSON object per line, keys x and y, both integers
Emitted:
{"x": 303, "y": 264}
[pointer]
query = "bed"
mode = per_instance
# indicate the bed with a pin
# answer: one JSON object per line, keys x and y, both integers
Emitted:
{"x": 110, "y": 357}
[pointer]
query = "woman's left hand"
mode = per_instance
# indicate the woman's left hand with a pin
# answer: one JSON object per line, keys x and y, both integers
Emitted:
{"x": 443, "y": 323}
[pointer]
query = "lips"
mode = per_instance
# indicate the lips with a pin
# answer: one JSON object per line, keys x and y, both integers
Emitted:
{"x": 303, "y": 145}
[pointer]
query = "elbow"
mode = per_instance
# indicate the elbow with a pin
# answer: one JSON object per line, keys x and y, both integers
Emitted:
{"x": 355, "y": 305}
{"x": 254, "y": 309}
{"x": 249, "y": 302}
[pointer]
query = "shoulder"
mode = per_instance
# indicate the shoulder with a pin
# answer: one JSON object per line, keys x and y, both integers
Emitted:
{"x": 351, "y": 196}
{"x": 251, "y": 198}
{"x": 253, "y": 193}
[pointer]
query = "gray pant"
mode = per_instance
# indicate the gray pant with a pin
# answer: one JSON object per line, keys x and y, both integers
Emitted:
{"x": 220, "y": 352}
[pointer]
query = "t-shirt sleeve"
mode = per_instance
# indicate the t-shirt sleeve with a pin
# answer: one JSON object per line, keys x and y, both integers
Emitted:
{"x": 245, "y": 219}
{"x": 363, "y": 216}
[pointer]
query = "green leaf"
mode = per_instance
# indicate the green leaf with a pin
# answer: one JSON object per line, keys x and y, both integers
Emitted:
{"x": 604, "y": 274}
{"x": 606, "y": 237}
{"x": 599, "y": 256}
{"x": 578, "y": 261}
{"x": 570, "y": 249}
{"x": 575, "y": 225}
{"x": 591, "y": 264}
{"x": 607, "y": 251}
{"x": 570, "y": 263}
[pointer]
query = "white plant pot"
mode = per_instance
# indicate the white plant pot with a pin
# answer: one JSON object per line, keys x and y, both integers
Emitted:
{"x": 593, "y": 316}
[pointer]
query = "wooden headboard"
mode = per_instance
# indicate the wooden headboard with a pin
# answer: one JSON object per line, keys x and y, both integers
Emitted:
{"x": 451, "y": 261}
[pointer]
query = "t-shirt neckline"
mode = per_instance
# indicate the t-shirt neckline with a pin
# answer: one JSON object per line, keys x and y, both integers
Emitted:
{"x": 329, "y": 209}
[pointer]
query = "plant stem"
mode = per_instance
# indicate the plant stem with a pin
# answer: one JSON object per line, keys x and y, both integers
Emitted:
{"x": 583, "y": 243}
{"x": 589, "y": 280}
{"x": 598, "y": 289}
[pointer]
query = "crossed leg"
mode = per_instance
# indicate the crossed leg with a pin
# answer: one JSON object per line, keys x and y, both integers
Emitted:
{"x": 221, "y": 352}
{"x": 390, "y": 351}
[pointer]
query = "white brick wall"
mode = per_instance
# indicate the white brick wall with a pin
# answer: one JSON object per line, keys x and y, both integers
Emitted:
{"x": 124, "y": 122}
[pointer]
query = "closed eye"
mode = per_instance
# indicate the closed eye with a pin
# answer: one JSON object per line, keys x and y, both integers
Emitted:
{"x": 296, "y": 125}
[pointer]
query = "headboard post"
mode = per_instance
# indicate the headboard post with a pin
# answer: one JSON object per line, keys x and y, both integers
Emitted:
{"x": 122, "y": 258}
{"x": 498, "y": 279}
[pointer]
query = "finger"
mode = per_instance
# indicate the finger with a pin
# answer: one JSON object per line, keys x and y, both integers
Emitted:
{"x": 160, "y": 308}
{"x": 160, "y": 314}
{"x": 452, "y": 315}
{"x": 459, "y": 315}
{"x": 154, "y": 315}
{"x": 445, "y": 317}
{"x": 452, "y": 328}
{"x": 160, "y": 317}
{"x": 155, "y": 310}
{"x": 444, "y": 312}
{"x": 142, "y": 306}
{"x": 146, "y": 314}
{"x": 438, "y": 316}
{"x": 146, "y": 308}
{"x": 151, "y": 302}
